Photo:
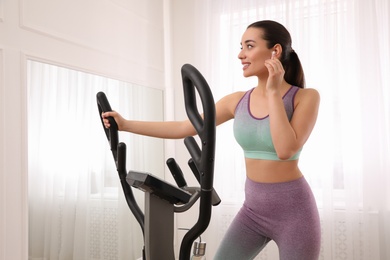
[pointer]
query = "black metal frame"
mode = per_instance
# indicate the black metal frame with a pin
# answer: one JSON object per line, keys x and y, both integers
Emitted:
{"x": 162, "y": 195}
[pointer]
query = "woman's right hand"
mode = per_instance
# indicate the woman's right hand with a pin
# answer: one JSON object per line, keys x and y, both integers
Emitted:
{"x": 117, "y": 117}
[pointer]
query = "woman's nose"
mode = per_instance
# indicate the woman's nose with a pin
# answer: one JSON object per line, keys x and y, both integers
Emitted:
{"x": 241, "y": 55}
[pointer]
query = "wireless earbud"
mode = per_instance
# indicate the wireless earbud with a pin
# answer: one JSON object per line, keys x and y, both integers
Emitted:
{"x": 273, "y": 53}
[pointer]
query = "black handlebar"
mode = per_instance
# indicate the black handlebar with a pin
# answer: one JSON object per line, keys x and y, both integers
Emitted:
{"x": 204, "y": 160}
{"x": 176, "y": 173}
{"x": 112, "y": 132}
{"x": 119, "y": 154}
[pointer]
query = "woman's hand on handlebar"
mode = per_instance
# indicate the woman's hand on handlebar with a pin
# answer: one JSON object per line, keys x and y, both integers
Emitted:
{"x": 117, "y": 117}
{"x": 159, "y": 129}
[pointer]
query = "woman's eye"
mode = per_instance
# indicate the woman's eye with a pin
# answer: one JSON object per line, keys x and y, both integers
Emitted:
{"x": 246, "y": 47}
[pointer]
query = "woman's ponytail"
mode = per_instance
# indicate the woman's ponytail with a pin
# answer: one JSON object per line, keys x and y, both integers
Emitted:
{"x": 293, "y": 70}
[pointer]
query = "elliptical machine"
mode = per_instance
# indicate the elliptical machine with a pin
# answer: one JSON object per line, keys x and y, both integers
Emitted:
{"x": 163, "y": 199}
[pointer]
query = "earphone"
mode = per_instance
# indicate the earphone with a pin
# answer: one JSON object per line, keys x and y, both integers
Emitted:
{"x": 273, "y": 53}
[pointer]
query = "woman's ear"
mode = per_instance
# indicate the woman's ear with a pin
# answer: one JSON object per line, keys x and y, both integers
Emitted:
{"x": 277, "y": 50}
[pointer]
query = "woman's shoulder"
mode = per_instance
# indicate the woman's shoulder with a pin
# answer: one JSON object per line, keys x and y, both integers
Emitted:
{"x": 308, "y": 96}
{"x": 227, "y": 104}
{"x": 233, "y": 97}
{"x": 237, "y": 95}
{"x": 305, "y": 93}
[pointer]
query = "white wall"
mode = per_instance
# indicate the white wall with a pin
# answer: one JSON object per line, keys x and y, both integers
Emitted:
{"x": 122, "y": 39}
{"x": 183, "y": 42}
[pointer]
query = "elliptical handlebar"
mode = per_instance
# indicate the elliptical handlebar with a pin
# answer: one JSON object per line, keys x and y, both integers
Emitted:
{"x": 112, "y": 132}
{"x": 204, "y": 162}
{"x": 119, "y": 153}
{"x": 176, "y": 173}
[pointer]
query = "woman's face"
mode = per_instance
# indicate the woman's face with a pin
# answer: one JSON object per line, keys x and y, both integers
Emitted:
{"x": 253, "y": 53}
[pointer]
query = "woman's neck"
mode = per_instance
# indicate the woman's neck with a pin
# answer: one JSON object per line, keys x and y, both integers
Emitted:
{"x": 261, "y": 88}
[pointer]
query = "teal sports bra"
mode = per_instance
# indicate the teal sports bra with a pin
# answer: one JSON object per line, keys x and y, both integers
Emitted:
{"x": 253, "y": 134}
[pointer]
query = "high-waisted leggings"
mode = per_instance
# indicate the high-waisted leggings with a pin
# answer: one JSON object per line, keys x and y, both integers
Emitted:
{"x": 284, "y": 212}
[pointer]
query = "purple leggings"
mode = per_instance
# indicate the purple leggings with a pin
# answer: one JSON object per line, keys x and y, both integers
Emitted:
{"x": 284, "y": 212}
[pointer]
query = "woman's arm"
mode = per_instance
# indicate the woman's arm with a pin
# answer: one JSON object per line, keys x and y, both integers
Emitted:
{"x": 289, "y": 136}
{"x": 163, "y": 129}
{"x": 173, "y": 129}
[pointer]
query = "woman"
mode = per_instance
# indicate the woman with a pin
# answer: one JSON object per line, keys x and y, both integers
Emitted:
{"x": 272, "y": 122}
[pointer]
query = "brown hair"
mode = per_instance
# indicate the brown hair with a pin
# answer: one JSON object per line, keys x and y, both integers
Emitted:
{"x": 275, "y": 33}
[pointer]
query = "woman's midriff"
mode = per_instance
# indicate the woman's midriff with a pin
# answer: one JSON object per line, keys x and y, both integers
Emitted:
{"x": 266, "y": 171}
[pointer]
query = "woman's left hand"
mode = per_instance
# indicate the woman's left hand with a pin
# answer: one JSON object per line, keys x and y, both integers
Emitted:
{"x": 275, "y": 73}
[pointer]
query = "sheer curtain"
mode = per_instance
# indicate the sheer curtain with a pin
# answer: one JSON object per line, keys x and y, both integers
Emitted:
{"x": 76, "y": 210}
{"x": 344, "y": 48}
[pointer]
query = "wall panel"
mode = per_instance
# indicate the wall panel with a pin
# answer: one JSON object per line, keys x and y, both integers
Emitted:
{"x": 2, "y": 162}
{"x": 1, "y": 11}
{"x": 100, "y": 25}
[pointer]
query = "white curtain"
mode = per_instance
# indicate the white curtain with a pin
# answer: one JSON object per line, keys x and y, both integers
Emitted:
{"x": 344, "y": 46}
{"x": 76, "y": 208}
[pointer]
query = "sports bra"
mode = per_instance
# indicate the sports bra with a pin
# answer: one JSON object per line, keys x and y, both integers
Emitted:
{"x": 253, "y": 134}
